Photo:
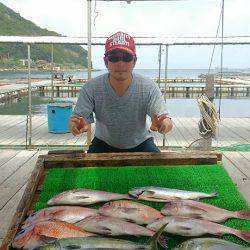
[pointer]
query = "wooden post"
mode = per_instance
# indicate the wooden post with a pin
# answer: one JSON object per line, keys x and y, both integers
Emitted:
{"x": 206, "y": 143}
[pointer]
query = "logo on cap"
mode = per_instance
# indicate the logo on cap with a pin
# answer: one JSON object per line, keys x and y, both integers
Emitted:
{"x": 120, "y": 41}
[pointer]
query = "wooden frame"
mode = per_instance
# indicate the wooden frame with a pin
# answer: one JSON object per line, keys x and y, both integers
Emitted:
{"x": 74, "y": 159}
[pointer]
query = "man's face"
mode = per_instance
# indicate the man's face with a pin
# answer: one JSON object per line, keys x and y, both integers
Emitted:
{"x": 120, "y": 64}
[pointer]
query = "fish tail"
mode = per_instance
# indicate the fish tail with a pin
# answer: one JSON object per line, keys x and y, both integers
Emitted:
{"x": 163, "y": 241}
{"x": 244, "y": 235}
{"x": 157, "y": 237}
{"x": 129, "y": 197}
{"x": 214, "y": 194}
{"x": 243, "y": 215}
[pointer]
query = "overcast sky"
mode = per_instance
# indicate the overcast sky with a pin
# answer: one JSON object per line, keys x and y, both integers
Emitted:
{"x": 191, "y": 18}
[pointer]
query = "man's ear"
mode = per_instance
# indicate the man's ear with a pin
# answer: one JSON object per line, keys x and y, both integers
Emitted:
{"x": 135, "y": 59}
{"x": 105, "y": 61}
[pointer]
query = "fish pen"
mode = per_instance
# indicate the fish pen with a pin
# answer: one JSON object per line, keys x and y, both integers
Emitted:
{"x": 59, "y": 171}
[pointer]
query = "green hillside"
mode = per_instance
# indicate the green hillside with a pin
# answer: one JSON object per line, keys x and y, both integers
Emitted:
{"x": 71, "y": 56}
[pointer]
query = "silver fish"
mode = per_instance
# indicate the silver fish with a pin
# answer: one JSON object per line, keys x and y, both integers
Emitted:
{"x": 194, "y": 227}
{"x": 85, "y": 197}
{"x": 209, "y": 244}
{"x": 70, "y": 214}
{"x": 130, "y": 211}
{"x": 115, "y": 227}
{"x": 201, "y": 210}
{"x": 161, "y": 194}
{"x": 95, "y": 243}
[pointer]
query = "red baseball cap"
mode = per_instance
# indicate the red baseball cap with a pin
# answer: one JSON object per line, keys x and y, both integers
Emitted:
{"x": 121, "y": 41}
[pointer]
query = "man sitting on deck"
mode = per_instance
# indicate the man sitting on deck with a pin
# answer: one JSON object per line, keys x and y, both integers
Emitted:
{"x": 121, "y": 101}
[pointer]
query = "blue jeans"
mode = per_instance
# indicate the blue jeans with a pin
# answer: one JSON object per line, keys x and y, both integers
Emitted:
{"x": 99, "y": 146}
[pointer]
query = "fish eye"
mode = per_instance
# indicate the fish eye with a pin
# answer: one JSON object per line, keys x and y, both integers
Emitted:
{"x": 20, "y": 232}
{"x": 73, "y": 247}
{"x": 33, "y": 214}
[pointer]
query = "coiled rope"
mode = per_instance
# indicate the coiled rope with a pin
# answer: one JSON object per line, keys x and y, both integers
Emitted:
{"x": 209, "y": 118}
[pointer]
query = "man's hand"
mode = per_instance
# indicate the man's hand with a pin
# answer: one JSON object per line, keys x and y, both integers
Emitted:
{"x": 78, "y": 125}
{"x": 162, "y": 124}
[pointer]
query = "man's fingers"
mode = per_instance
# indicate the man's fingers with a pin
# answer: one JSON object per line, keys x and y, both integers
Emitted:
{"x": 84, "y": 128}
{"x": 153, "y": 127}
{"x": 75, "y": 119}
{"x": 162, "y": 128}
{"x": 161, "y": 118}
{"x": 75, "y": 131}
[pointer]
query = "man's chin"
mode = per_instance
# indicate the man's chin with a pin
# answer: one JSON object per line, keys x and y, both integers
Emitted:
{"x": 121, "y": 76}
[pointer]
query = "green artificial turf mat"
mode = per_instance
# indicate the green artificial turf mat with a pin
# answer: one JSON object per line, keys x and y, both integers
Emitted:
{"x": 203, "y": 178}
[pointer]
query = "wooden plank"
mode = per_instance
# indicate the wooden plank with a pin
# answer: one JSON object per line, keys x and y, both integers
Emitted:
{"x": 8, "y": 211}
{"x": 246, "y": 155}
{"x": 232, "y": 127}
{"x": 236, "y": 174}
{"x": 244, "y": 190}
{"x": 182, "y": 132}
{"x": 240, "y": 162}
{"x": 10, "y": 167}
{"x": 11, "y": 185}
{"x": 20, "y": 137}
{"x": 6, "y": 155}
{"x": 129, "y": 159}
{"x": 24, "y": 204}
{"x": 231, "y": 131}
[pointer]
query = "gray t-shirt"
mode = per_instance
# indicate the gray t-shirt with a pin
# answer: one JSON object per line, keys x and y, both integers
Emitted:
{"x": 120, "y": 120}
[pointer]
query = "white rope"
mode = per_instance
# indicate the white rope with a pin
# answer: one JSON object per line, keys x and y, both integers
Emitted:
{"x": 209, "y": 117}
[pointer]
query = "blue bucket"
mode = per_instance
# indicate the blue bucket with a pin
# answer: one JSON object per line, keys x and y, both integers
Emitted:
{"x": 58, "y": 117}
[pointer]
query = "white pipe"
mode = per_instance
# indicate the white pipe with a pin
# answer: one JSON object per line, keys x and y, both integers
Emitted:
{"x": 89, "y": 59}
{"x": 30, "y": 103}
{"x": 52, "y": 64}
{"x": 89, "y": 39}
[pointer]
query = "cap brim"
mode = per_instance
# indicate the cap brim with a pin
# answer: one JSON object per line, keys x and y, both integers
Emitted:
{"x": 131, "y": 52}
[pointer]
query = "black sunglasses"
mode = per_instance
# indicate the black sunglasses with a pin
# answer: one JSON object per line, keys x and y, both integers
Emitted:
{"x": 124, "y": 58}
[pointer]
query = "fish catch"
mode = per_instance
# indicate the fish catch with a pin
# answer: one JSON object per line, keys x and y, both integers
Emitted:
{"x": 201, "y": 210}
{"x": 44, "y": 232}
{"x": 209, "y": 244}
{"x": 96, "y": 243}
{"x": 70, "y": 214}
{"x": 130, "y": 211}
{"x": 115, "y": 227}
{"x": 194, "y": 227}
{"x": 160, "y": 194}
{"x": 84, "y": 197}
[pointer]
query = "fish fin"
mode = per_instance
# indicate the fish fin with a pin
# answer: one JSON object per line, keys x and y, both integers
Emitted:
{"x": 163, "y": 241}
{"x": 243, "y": 214}
{"x": 128, "y": 210}
{"x": 244, "y": 235}
{"x": 72, "y": 247}
{"x": 106, "y": 230}
{"x": 145, "y": 198}
{"x": 129, "y": 197}
{"x": 47, "y": 239}
{"x": 148, "y": 193}
{"x": 184, "y": 228}
{"x": 213, "y": 194}
{"x": 80, "y": 197}
{"x": 198, "y": 209}
{"x": 155, "y": 238}
{"x": 195, "y": 216}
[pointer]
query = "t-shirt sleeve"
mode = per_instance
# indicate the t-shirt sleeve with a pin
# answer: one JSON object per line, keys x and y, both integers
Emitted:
{"x": 156, "y": 104}
{"x": 85, "y": 105}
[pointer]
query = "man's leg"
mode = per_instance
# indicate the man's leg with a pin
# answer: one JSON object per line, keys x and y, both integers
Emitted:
{"x": 146, "y": 146}
{"x": 99, "y": 146}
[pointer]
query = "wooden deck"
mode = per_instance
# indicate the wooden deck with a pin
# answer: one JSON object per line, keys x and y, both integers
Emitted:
{"x": 13, "y": 133}
{"x": 16, "y": 166}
